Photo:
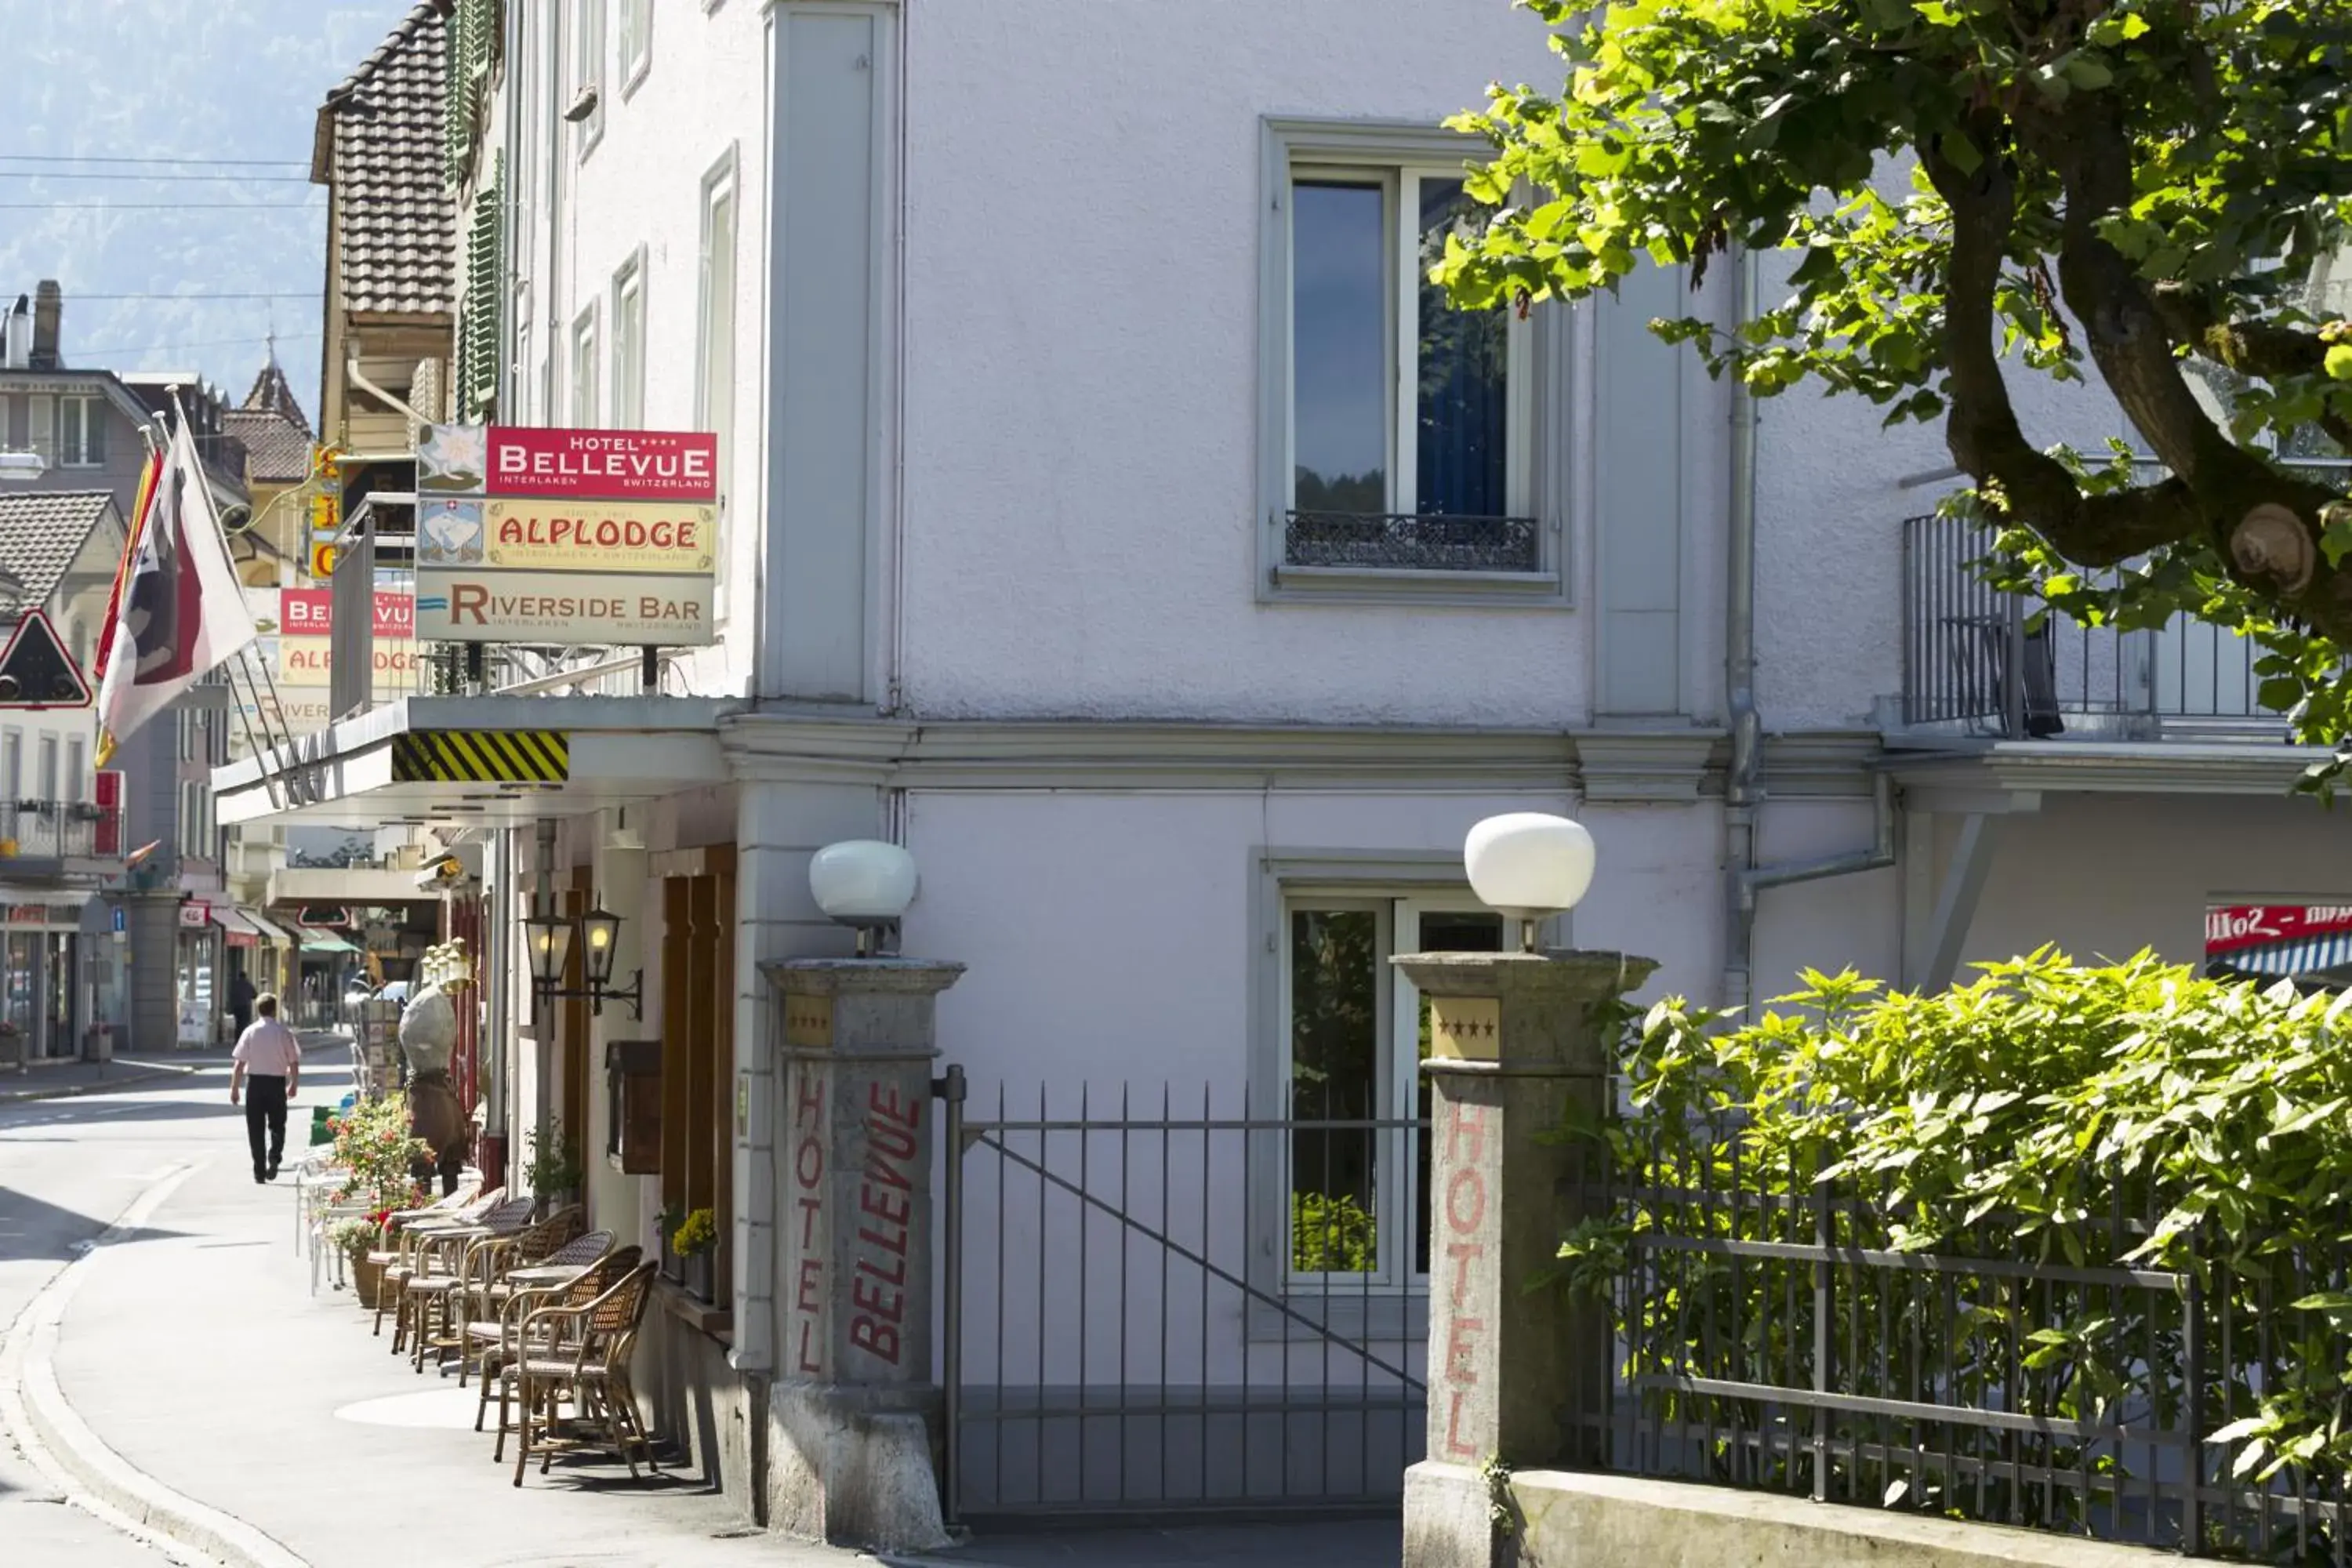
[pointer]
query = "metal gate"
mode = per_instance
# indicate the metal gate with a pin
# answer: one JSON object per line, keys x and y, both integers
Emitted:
{"x": 1153, "y": 1308}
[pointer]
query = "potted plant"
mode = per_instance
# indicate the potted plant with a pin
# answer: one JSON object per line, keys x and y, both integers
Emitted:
{"x": 356, "y": 1237}
{"x": 696, "y": 1240}
{"x": 374, "y": 1144}
{"x": 553, "y": 1172}
{"x": 666, "y": 1224}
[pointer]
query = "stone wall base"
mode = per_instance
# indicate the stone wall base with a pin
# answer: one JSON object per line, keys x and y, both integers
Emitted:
{"x": 692, "y": 1398}
{"x": 1622, "y": 1521}
{"x": 849, "y": 1467}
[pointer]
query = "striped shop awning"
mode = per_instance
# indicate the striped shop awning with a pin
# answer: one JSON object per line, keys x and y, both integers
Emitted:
{"x": 482, "y": 756}
{"x": 2307, "y": 956}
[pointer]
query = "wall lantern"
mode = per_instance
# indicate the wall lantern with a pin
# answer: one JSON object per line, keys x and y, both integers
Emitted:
{"x": 867, "y": 885}
{"x": 1529, "y": 866}
{"x": 547, "y": 941}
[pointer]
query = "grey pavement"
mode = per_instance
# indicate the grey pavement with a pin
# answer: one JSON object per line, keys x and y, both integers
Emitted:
{"x": 63, "y": 1079}
{"x": 1300, "y": 1543}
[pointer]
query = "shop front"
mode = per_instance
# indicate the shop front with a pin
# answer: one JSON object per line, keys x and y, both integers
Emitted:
{"x": 40, "y": 993}
{"x": 2310, "y": 944}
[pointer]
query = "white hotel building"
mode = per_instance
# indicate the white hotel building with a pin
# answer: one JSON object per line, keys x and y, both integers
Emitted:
{"x": 1111, "y": 518}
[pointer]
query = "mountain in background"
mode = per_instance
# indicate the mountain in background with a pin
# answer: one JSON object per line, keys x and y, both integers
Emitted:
{"x": 235, "y": 87}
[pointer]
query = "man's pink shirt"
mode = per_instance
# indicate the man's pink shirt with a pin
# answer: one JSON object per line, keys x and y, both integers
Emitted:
{"x": 268, "y": 1049}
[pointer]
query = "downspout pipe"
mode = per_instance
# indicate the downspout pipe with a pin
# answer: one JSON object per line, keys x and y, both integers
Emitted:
{"x": 1877, "y": 858}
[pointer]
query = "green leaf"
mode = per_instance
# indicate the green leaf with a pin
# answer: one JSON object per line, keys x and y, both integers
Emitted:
{"x": 2339, "y": 362}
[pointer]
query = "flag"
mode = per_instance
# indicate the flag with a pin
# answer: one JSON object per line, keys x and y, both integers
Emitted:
{"x": 180, "y": 612}
{"x": 146, "y": 493}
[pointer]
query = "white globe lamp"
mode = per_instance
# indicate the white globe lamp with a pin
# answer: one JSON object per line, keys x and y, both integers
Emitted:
{"x": 866, "y": 884}
{"x": 1530, "y": 866}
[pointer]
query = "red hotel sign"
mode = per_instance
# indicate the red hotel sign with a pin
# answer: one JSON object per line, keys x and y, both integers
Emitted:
{"x": 603, "y": 465}
{"x": 310, "y": 613}
{"x": 2243, "y": 926}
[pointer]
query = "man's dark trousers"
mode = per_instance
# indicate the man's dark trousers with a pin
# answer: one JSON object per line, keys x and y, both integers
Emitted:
{"x": 265, "y": 1105}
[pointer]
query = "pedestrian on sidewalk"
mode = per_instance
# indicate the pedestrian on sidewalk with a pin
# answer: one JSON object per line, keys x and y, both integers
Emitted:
{"x": 240, "y": 1001}
{"x": 271, "y": 1057}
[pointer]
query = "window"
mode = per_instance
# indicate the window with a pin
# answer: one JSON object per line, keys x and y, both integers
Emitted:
{"x": 714, "y": 390}
{"x": 12, "y": 764}
{"x": 81, "y": 432}
{"x": 629, "y": 345}
{"x": 1354, "y": 1032}
{"x": 1401, "y": 433}
{"x": 636, "y": 42}
{"x": 45, "y": 766}
{"x": 77, "y": 770}
{"x": 588, "y": 73}
{"x": 698, "y": 975}
{"x": 583, "y": 370}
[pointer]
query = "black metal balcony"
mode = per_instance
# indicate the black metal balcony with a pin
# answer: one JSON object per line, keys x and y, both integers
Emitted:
{"x": 1975, "y": 663}
{"x": 1412, "y": 541}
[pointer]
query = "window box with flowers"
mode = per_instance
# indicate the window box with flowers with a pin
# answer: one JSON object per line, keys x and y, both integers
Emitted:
{"x": 695, "y": 1241}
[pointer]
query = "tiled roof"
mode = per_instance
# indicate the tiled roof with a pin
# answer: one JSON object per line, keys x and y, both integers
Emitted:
{"x": 40, "y": 534}
{"x": 380, "y": 146}
{"x": 272, "y": 392}
{"x": 276, "y": 451}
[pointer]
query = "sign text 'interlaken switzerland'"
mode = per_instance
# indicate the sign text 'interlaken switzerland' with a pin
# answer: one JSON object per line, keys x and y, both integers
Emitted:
{"x": 525, "y": 534}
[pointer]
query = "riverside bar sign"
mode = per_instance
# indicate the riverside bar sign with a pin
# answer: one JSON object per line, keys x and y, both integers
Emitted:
{"x": 525, "y": 534}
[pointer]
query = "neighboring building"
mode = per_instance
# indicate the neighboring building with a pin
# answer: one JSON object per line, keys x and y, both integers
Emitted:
{"x": 181, "y": 933}
{"x": 1093, "y": 527}
{"x": 273, "y": 546}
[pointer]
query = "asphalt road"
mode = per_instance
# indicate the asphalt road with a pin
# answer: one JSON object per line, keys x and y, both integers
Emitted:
{"x": 67, "y": 1167}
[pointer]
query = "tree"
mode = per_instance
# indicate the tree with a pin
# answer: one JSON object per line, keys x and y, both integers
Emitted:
{"x": 1977, "y": 189}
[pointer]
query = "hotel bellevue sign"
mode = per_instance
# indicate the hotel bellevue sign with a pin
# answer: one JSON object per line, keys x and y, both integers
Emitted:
{"x": 567, "y": 536}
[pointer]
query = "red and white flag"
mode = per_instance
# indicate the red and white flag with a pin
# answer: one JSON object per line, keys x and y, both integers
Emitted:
{"x": 178, "y": 612}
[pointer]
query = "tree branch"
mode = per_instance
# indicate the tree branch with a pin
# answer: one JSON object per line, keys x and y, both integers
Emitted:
{"x": 2263, "y": 349}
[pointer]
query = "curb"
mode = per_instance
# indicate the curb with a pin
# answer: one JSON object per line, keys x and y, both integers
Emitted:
{"x": 58, "y": 1440}
{"x": 148, "y": 1073}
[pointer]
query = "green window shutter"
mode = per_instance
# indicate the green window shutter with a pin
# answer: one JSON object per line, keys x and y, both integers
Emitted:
{"x": 477, "y": 330}
{"x": 455, "y": 101}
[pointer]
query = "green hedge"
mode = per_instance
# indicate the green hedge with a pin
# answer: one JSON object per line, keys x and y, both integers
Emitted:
{"x": 2128, "y": 1115}
{"x": 1332, "y": 1235}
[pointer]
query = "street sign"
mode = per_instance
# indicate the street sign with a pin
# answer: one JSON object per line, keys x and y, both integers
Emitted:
{"x": 325, "y": 917}
{"x": 35, "y": 671}
{"x": 196, "y": 914}
{"x": 119, "y": 923}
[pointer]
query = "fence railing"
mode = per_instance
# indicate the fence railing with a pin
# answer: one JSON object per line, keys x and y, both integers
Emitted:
{"x": 1158, "y": 1303}
{"x": 1773, "y": 1335}
{"x": 60, "y": 830}
{"x": 1974, "y": 663}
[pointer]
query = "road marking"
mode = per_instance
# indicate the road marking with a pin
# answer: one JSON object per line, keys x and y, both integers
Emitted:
{"x": 132, "y": 1501}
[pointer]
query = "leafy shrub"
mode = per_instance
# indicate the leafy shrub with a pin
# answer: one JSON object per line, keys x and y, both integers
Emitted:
{"x": 2133, "y": 1115}
{"x": 373, "y": 1143}
{"x": 1332, "y": 1235}
{"x": 698, "y": 1234}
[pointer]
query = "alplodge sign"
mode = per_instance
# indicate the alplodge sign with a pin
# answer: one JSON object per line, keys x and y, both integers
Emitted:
{"x": 498, "y": 605}
{"x": 310, "y": 661}
{"x": 568, "y": 536}
{"x": 578, "y": 465}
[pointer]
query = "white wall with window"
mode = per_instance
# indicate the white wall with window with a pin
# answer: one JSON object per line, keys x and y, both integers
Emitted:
{"x": 715, "y": 366}
{"x": 589, "y": 69}
{"x": 81, "y": 432}
{"x": 637, "y": 43}
{"x": 586, "y": 372}
{"x": 628, "y": 403}
{"x": 1267, "y": 474}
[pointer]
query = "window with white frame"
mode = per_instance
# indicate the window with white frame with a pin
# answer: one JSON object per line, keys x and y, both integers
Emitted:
{"x": 1403, "y": 431}
{"x": 11, "y": 765}
{"x": 588, "y": 71}
{"x": 636, "y": 42}
{"x": 1354, "y": 1032}
{"x": 44, "y": 764}
{"x": 585, "y": 370}
{"x": 81, "y": 432}
{"x": 629, "y": 345}
{"x": 78, "y": 779}
{"x": 714, "y": 390}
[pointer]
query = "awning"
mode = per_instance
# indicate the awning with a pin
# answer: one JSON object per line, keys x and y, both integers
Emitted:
{"x": 317, "y": 941}
{"x": 270, "y": 931}
{"x": 242, "y": 932}
{"x": 2309, "y": 959}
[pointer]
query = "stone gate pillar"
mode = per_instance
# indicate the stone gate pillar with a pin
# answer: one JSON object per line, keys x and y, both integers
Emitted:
{"x": 854, "y": 1413}
{"x": 1517, "y": 1042}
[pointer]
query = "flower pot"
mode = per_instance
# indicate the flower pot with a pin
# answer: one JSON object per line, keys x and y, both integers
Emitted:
{"x": 366, "y": 1277}
{"x": 697, "y": 1275}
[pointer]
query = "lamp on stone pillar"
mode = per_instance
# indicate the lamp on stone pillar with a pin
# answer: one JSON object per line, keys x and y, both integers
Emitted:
{"x": 867, "y": 885}
{"x": 1521, "y": 1043}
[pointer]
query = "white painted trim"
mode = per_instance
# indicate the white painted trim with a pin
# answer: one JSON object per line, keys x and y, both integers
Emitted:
{"x": 634, "y": 72}
{"x": 628, "y": 279}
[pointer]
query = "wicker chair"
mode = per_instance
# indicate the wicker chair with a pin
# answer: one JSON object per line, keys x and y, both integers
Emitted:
{"x": 492, "y": 1335}
{"x": 444, "y": 1304}
{"x": 439, "y": 1252}
{"x": 500, "y": 1365}
{"x": 579, "y": 1355}
{"x": 406, "y": 1227}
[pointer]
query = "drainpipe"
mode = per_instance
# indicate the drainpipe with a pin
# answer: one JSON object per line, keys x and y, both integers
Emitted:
{"x": 351, "y": 373}
{"x": 1743, "y": 794}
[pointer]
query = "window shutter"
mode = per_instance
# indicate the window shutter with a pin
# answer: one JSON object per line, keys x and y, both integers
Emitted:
{"x": 457, "y": 94}
{"x": 478, "y": 341}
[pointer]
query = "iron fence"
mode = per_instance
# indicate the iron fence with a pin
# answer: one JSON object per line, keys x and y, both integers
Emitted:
{"x": 60, "y": 829}
{"x": 1976, "y": 661}
{"x": 1773, "y": 1334}
{"x": 1157, "y": 1304}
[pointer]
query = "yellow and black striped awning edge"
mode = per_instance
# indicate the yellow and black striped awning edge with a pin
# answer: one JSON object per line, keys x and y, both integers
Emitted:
{"x": 482, "y": 756}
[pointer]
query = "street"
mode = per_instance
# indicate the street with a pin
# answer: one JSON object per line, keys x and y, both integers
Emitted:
{"x": 67, "y": 1167}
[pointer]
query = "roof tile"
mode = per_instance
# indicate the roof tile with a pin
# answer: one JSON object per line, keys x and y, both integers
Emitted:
{"x": 41, "y": 532}
{"x": 398, "y": 226}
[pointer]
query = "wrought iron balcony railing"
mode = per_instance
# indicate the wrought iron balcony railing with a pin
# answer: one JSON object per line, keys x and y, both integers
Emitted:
{"x": 60, "y": 830}
{"x": 1412, "y": 541}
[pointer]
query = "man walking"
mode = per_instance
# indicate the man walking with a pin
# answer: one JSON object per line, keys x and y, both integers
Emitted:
{"x": 240, "y": 1001}
{"x": 271, "y": 1057}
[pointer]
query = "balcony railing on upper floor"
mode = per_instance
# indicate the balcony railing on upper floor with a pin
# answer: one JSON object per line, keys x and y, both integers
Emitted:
{"x": 33, "y": 830}
{"x": 1412, "y": 541}
{"x": 1976, "y": 664}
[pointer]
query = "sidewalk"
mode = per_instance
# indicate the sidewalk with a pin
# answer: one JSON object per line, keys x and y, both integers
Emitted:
{"x": 193, "y": 1349}
{"x": 59, "y": 1079}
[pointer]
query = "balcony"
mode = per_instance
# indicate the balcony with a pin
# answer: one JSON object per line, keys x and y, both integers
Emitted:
{"x": 1411, "y": 542}
{"x": 1976, "y": 668}
{"x": 57, "y": 838}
